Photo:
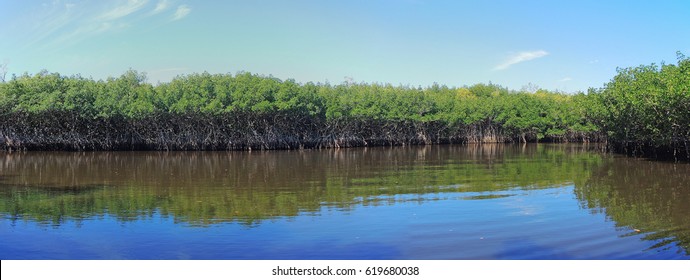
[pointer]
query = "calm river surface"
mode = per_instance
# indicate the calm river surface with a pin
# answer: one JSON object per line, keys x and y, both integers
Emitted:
{"x": 425, "y": 202}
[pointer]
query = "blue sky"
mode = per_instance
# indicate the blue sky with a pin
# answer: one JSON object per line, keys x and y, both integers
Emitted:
{"x": 557, "y": 45}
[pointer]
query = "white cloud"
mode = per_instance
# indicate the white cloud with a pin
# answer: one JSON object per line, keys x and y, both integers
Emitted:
{"x": 593, "y": 61}
{"x": 566, "y": 79}
{"x": 63, "y": 23}
{"x": 49, "y": 21}
{"x": 161, "y": 6}
{"x": 164, "y": 75}
{"x": 87, "y": 30}
{"x": 521, "y": 57}
{"x": 182, "y": 11}
{"x": 123, "y": 10}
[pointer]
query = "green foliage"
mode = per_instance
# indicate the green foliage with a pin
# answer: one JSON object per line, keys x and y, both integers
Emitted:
{"x": 648, "y": 105}
{"x": 129, "y": 96}
{"x": 645, "y": 105}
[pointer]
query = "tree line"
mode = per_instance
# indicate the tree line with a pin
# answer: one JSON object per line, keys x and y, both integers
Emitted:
{"x": 641, "y": 109}
{"x": 645, "y": 110}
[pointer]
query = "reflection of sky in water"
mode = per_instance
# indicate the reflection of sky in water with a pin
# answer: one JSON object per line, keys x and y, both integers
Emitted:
{"x": 517, "y": 224}
{"x": 433, "y": 202}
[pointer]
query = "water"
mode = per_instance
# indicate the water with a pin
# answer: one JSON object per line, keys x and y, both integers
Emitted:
{"x": 425, "y": 202}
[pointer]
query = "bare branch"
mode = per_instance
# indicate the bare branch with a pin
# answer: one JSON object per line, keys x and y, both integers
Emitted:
{"x": 3, "y": 71}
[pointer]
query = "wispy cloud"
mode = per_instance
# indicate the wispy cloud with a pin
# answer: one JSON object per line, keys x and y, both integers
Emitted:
{"x": 594, "y": 61}
{"x": 90, "y": 29}
{"x": 521, "y": 57}
{"x": 182, "y": 11}
{"x": 60, "y": 24}
{"x": 123, "y": 10}
{"x": 566, "y": 79}
{"x": 164, "y": 75}
{"x": 161, "y": 6}
{"x": 50, "y": 20}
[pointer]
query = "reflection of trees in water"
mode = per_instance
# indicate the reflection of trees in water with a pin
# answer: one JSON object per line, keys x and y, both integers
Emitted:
{"x": 210, "y": 187}
{"x": 651, "y": 198}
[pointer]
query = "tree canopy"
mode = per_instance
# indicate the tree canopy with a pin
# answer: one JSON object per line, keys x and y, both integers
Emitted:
{"x": 641, "y": 107}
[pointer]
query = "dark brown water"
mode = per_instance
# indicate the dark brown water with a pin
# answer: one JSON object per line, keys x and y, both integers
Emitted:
{"x": 426, "y": 202}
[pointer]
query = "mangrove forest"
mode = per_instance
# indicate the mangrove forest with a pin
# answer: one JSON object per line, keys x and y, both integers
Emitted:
{"x": 643, "y": 110}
